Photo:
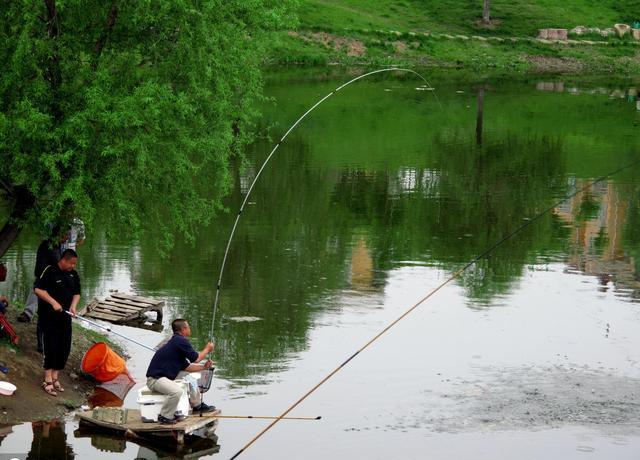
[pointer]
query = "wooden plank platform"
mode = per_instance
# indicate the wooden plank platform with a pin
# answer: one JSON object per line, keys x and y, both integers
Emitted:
{"x": 133, "y": 426}
{"x": 122, "y": 308}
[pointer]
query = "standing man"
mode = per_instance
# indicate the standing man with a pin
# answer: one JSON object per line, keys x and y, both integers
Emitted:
{"x": 174, "y": 357}
{"x": 58, "y": 291}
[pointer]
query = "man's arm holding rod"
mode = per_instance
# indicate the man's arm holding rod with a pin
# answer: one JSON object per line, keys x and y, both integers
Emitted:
{"x": 196, "y": 367}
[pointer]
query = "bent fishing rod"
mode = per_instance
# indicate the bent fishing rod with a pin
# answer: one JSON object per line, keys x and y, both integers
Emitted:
{"x": 426, "y": 297}
{"x": 273, "y": 151}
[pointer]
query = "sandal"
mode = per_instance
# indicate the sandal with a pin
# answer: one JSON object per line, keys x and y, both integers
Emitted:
{"x": 58, "y": 386}
{"x": 49, "y": 388}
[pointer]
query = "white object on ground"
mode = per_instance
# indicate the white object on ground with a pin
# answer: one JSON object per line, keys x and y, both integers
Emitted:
{"x": 7, "y": 388}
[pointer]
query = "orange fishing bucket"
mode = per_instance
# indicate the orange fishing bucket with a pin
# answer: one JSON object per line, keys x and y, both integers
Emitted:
{"x": 102, "y": 363}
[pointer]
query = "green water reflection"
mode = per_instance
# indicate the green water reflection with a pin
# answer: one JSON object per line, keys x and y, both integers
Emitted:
{"x": 379, "y": 177}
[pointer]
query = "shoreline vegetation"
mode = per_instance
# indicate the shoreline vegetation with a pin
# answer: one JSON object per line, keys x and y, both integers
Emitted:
{"x": 452, "y": 36}
{"x": 493, "y": 55}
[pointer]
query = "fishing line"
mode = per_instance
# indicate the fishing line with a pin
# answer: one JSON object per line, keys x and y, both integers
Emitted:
{"x": 417, "y": 304}
{"x": 264, "y": 164}
{"x": 108, "y": 329}
{"x": 262, "y": 417}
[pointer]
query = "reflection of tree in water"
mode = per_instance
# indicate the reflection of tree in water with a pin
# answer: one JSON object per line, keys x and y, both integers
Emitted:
{"x": 289, "y": 249}
{"x": 49, "y": 442}
{"x": 447, "y": 215}
{"x": 489, "y": 193}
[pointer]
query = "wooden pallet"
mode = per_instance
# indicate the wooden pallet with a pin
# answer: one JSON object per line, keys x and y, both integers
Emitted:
{"x": 123, "y": 308}
{"x": 132, "y": 425}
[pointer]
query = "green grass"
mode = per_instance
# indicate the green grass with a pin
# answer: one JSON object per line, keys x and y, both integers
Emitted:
{"x": 515, "y": 17}
{"x": 409, "y": 32}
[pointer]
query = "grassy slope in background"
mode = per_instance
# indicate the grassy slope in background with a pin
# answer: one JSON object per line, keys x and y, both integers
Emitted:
{"x": 328, "y": 29}
{"x": 515, "y": 17}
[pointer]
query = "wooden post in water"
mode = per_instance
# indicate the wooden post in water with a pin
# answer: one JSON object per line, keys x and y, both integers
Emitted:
{"x": 480, "y": 115}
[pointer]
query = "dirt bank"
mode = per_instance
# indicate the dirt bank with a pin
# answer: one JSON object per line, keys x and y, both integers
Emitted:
{"x": 480, "y": 55}
{"x": 30, "y": 402}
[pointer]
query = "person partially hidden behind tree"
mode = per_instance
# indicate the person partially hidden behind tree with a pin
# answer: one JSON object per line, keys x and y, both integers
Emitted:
{"x": 49, "y": 253}
{"x": 173, "y": 358}
{"x": 58, "y": 291}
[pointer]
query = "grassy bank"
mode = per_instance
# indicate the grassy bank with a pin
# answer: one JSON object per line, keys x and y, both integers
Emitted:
{"x": 30, "y": 402}
{"x": 449, "y": 34}
{"x": 509, "y": 18}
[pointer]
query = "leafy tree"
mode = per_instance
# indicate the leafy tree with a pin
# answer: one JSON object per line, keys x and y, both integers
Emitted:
{"x": 128, "y": 107}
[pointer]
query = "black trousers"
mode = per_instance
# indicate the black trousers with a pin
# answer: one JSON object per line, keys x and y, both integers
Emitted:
{"x": 56, "y": 338}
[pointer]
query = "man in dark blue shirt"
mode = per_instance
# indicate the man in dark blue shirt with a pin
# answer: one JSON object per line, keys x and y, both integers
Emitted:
{"x": 175, "y": 356}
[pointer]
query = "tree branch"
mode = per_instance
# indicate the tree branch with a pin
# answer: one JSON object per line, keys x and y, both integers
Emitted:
{"x": 53, "y": 28}
{"x": 111, "y": 21}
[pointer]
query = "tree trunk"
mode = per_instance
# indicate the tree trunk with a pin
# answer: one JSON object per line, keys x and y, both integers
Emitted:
{"x": 52, "y": 72}
{"x": 8, "y": 234}
{"x": 22, "y": 202}
{"x": 485, "y": 11}
{"x": 108, "y": 28}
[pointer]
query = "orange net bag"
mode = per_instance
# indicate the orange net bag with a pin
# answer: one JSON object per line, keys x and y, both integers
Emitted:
{"x": 102, "y": 363}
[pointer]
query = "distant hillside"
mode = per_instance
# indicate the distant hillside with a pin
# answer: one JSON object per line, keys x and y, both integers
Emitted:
{"x": 509, "y": 17}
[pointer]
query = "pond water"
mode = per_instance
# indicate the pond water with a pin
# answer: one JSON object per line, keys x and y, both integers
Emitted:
{"x": 376, "y": 199}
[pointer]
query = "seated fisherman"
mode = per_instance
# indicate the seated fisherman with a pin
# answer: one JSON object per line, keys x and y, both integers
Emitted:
{"x": 173, "y": 357}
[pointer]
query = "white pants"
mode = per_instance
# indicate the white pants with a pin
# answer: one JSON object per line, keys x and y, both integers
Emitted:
{"x": 173, "y": 391}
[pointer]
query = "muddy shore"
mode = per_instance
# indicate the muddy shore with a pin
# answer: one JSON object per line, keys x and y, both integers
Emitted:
{"x": 30, "y": 402}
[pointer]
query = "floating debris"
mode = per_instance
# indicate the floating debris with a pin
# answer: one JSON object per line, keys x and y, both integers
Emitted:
{"x": 244, "y": 319}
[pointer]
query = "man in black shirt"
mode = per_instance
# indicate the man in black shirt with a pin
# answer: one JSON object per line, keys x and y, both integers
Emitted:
{"x": 58, "y": 291}
{"x": 174, "y": 357}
